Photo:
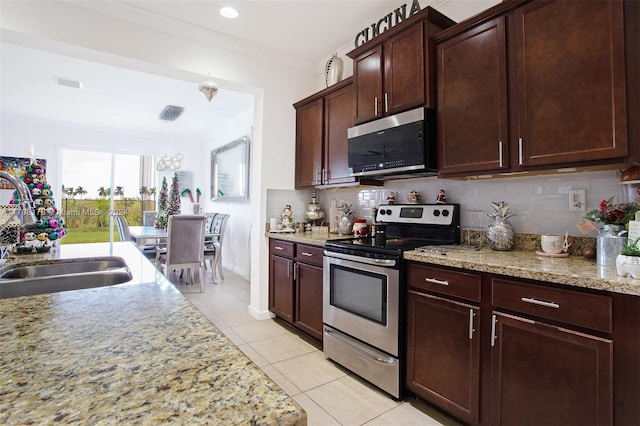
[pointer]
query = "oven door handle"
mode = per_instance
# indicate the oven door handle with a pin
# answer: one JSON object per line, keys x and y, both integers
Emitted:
{"x": 368, "y": 261}
{"x": 387, "y": 360}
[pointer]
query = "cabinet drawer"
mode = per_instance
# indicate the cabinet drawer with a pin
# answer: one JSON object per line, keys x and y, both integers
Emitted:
{"x": 572, "y": 307}
{"x": 309, "y": 254}
{"x": 281, "y": 248}
{"x": 444, "y": 281}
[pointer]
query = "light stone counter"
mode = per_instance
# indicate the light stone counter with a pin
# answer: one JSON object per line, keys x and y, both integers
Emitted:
{"x": 573, "y": 270}
{"x": 134, "y": 353}
{"x": 311, "y": 238}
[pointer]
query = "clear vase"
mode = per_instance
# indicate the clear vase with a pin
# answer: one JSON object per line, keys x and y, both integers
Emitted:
{"x": 611, "y": 238}
{"x": 501, "y": 235}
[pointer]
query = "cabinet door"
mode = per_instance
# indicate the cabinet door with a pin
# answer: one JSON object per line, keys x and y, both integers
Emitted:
{"x": 281, "y": 287}
{"x": 571, "y": 81}
{"x": 472, "y": 100}
{"x": 338, "y": 118}
{"x": 367, "y": 73}
{"x": 309, "y": 299}
{"x": 404, "y": 76}
{"x": 309, "y": 126}
{"x": 545, "y": 375}
{"x": 443, "y": 353}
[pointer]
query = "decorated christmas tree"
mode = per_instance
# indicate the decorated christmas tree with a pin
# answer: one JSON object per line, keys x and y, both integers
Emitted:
{"x": 174, "y": 197}
{"x": 162, "y": 218}
{"x": 49, "y": 226}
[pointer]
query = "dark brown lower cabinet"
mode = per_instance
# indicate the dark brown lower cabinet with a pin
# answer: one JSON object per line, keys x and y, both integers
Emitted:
{"x": 281, "y": 288}
{"x": 547, "y": 375}
{"x": 309, "y": 299}
{"x": 443, "y": 353}
{"x": 295, "y": 285}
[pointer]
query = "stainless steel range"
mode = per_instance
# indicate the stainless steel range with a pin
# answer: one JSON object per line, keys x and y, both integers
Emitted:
{"x": 363, "y": 289}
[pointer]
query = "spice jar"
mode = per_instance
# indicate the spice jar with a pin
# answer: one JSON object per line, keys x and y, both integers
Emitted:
{"x": 360, "y": 228}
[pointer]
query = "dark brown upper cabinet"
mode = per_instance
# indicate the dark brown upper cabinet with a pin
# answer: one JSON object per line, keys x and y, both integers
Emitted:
{"x": 322, "y": 121}
{"x": 535, "y": 85}
{"x": 394, "y": 71}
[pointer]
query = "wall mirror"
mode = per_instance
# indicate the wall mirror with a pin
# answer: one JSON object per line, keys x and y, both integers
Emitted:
{"x": 230, "y": 171}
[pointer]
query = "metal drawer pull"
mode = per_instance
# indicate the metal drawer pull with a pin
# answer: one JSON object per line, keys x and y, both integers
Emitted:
{"x": 436, "y": 281}
{"x": 278, "y": 248}
{"x": 540, "y": 302}
{"x": 494, "y": 320}
{"x": 520, "y": 151}
{"x": 304, "y": 253}
{"x": 471, "y": 329}
{"x": 500, "y": 153}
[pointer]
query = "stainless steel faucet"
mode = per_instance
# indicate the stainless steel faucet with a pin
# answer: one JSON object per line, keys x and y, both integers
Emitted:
{"x": 26, "y": 201}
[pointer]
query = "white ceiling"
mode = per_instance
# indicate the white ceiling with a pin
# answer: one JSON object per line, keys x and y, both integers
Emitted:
{"x": 130, "y": 101}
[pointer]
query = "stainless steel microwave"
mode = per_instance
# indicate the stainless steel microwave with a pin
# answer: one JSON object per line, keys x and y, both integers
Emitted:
{"x": 390, "y": 147}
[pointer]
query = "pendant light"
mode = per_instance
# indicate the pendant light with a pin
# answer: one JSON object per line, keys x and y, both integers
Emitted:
{"x": 209, "y": 89}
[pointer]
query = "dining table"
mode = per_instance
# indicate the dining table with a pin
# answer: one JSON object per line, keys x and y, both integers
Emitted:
{"x": 144, "y": 235}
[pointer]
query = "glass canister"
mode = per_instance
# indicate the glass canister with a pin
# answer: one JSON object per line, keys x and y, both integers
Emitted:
{"x": 360, "y": 228}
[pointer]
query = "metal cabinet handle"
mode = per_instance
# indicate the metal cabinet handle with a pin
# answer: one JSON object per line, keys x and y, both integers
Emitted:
{"x": 494, "y": 320}
{"x": 319, "y": 176}
{"x": 500, "y": 153}
{"x": 540, "y": 302}
{"x": 520, "y": 151}
{"x": 289, "y": 269}
{"x": 436, "y": 281}
{"x": 386, "y": 102}
{"x": 375, "y": 106}
{"x": 304, "y": 253}
{"x": 471, "y": 329}
{"x": 295, "y": 271}
{"x": 278, "y": 248}
{"x": 325, "y": 176}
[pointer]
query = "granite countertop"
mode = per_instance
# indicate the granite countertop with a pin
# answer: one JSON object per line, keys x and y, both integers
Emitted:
{"x": 138, "y": 352}
{"x": 573, "y": 270}
{"x": 311, "y": 238}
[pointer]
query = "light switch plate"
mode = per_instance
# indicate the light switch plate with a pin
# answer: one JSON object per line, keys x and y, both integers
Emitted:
{"x": 577, "y": 200}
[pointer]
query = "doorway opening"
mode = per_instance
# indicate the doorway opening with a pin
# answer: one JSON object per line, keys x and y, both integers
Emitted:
{"x": 96, "y": 184}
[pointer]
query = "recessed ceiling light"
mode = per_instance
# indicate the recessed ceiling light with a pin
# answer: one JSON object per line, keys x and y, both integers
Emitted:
{"x": 229, "y": 12}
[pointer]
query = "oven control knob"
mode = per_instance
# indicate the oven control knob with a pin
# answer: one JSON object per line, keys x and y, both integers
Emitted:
{"x": 388, "y": 211}
{"x": 436, "y": 213}
{"x": 445, "y": 213}
{"x": 383, "y": 212}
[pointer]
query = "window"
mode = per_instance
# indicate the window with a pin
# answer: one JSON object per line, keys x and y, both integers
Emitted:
{"x": 94, "y": 184}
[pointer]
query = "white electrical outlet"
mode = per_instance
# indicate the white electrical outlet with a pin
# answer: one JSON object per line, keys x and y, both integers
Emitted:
{"x": 577, "y": 200}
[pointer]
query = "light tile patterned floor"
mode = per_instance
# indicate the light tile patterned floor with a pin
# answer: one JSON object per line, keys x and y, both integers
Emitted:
{"x": 330, "y": 394}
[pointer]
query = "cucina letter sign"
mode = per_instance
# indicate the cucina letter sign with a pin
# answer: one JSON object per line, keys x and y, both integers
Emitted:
{"x": 390, "y": 20}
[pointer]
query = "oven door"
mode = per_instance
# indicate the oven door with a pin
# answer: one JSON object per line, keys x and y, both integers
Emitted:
{"x": 361, "y": 299}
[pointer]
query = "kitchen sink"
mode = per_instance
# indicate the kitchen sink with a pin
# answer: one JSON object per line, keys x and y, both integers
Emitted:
{"x": 63, "y": 275}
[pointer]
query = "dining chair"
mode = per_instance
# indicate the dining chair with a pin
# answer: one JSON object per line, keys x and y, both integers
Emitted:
{"x": 125, "y": 235}
{"x": 183, "y": 249}
{"x": 213, "y": 246}
{"x": 148, "y": 218}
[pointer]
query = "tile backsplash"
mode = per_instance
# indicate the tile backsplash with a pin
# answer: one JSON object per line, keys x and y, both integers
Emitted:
{"x": 541, "y": 203}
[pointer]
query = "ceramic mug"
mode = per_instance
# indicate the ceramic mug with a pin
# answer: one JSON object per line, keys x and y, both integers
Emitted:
{"x": 552, "y": 244}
